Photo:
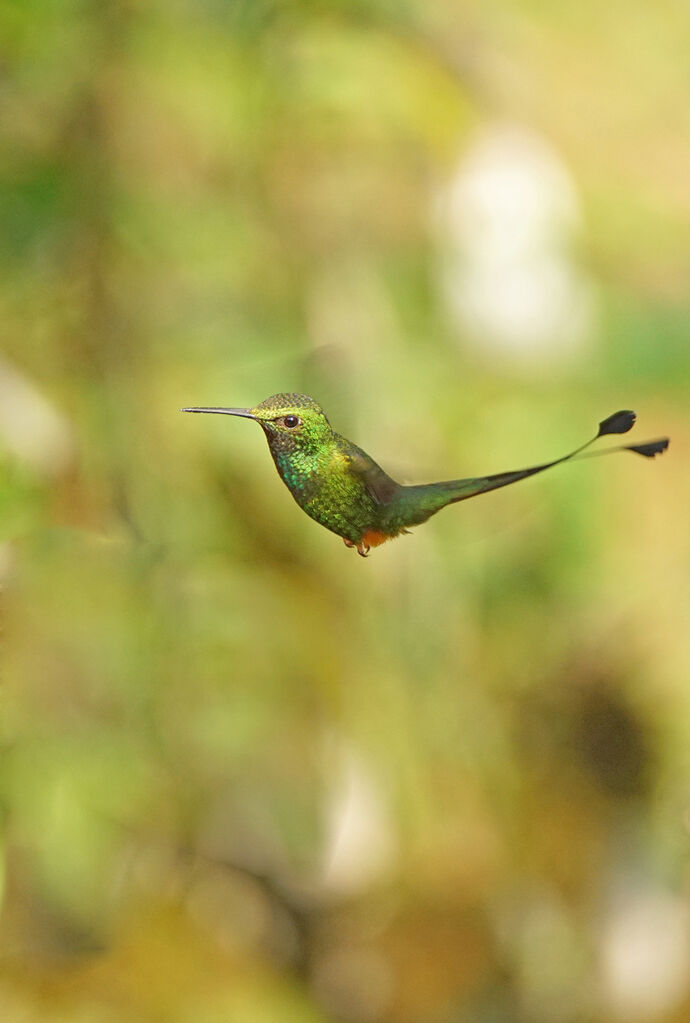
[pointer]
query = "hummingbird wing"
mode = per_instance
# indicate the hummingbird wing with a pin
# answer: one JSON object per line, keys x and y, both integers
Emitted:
{"x": 381, "y": 487}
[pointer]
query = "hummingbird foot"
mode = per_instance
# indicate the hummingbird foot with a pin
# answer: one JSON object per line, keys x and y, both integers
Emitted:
{"x": 362, "y": 547}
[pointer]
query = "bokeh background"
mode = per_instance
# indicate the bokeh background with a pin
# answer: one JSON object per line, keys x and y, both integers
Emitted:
{"x": 246, "y": 775}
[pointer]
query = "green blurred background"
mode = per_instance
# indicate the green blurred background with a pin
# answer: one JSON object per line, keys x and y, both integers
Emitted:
{"x": 247, "y": 776}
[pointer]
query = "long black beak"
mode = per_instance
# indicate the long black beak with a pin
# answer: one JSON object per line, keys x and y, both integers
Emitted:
{"x": 244, "y": 412}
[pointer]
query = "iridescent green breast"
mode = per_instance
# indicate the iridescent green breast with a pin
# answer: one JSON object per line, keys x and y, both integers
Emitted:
{"x": 324, "y": 486}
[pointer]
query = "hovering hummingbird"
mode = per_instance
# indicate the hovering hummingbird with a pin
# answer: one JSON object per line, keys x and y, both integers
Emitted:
{"x": 341, "y": 487}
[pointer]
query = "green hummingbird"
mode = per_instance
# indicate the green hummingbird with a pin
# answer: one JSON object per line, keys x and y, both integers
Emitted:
{"x": 344, "y": 489}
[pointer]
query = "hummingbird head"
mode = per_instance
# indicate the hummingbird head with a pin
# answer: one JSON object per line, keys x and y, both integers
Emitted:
{"x": 292, "y": 422}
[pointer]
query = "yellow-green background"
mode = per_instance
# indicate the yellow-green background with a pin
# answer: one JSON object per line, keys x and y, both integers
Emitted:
{"x": 206, "y": 202}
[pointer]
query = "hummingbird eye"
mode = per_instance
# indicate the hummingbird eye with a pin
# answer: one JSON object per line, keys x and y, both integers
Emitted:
{"x": 291, "y": 422}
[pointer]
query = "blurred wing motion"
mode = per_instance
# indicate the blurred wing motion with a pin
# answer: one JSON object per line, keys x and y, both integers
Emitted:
{"x": 381, "y": 487}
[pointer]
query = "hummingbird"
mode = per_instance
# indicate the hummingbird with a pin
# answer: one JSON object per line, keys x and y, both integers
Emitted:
{"x": 341, "y": 487}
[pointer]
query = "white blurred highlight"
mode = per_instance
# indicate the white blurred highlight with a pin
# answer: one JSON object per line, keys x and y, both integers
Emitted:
{"x": 360, "y": 844}
{"x": 31, "y": 429}
{"x": 507, "y": 221}
{"x": 645, "y": 955}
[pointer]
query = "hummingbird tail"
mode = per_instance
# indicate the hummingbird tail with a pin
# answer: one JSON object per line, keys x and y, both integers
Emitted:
{"x": 619, "y": 422}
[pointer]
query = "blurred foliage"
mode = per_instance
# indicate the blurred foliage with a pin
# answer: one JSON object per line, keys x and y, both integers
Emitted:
{"x": 246, "y": 775}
